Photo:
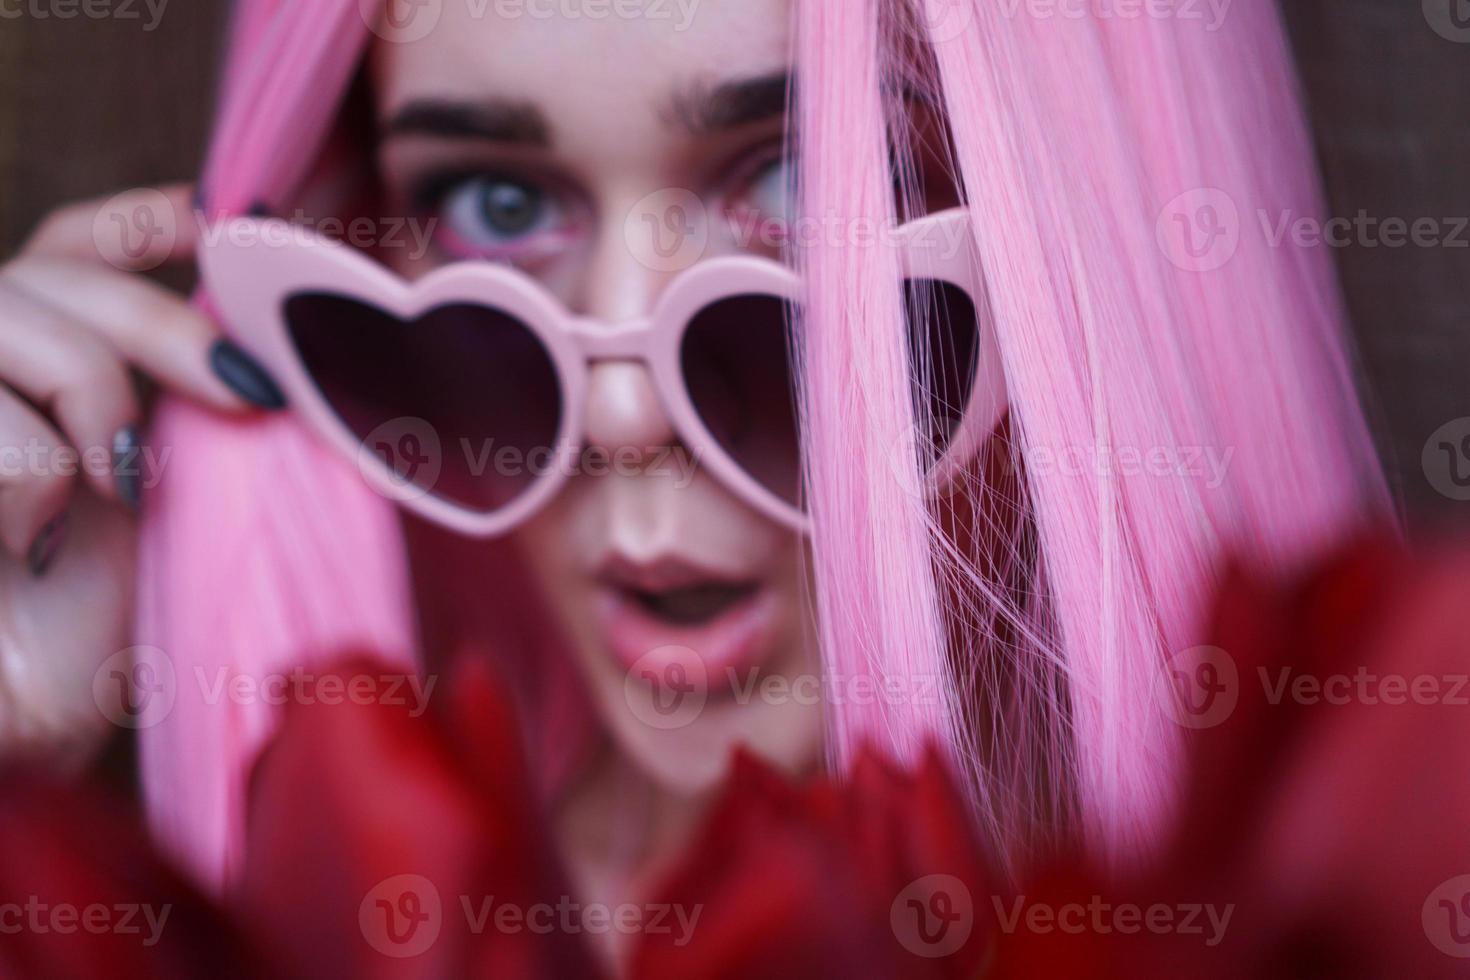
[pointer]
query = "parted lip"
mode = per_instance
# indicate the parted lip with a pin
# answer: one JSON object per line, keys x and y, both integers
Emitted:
{"x": 664, "y": 573}
{"x": 737, "y": 629}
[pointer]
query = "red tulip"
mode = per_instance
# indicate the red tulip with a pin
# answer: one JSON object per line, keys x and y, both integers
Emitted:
{"x": 875, "y": 876}
{"x": 1322, "y": 833}
{"x": 385, "y": 845}
{"x": 380, "y": 844}
{"x": 1329, "y": 795}
{"x": 83, "y": 894}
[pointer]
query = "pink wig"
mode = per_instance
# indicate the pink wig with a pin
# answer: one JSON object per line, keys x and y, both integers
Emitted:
{"x": 1046, "y": 600}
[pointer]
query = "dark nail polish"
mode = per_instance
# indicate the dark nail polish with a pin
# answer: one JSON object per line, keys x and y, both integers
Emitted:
{"x": 44, "y": 549}
{"x": 127, "y": 469}
{"x": 259, "y": 209}
{"x": 244, "y": 375}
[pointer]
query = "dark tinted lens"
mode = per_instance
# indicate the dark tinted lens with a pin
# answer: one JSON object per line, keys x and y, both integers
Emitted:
{"x": 738, "y": 370}
{"x": 944, "y": 344}
{"x": 484, "y": 384}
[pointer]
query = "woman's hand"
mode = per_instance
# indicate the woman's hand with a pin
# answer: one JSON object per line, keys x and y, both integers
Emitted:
{"x": 75, "y": 317}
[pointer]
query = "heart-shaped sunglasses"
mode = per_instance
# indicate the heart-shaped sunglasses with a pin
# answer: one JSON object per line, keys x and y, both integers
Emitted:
{"x": 433, "y": 386}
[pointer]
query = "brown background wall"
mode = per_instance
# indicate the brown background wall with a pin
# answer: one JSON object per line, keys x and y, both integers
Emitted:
{"x": 1390, "y": 103}
{"x": 91, "y": 106}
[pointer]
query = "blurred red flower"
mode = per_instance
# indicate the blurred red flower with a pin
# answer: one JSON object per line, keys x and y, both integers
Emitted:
{"x": 1322, "y": 833}
{"x": 380, "y": 843}
{"x": 384, "y": 844}
{"x": 878, "y": 875}
{"x": 1325, "y": 823}
{"x": 82, "y": 894}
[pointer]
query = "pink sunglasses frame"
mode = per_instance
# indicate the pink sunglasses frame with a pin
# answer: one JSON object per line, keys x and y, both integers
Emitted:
{"x": 249, "y": 271}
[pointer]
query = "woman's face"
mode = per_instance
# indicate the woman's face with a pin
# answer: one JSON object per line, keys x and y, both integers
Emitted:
{"x": 564, "y": 144}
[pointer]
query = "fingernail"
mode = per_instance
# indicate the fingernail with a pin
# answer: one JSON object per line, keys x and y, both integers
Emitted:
{"x": 259, "y": 209}
{"x": 244, "y": 375}
{"x": 125, "y": 469}
{"x": 44, "y": 549}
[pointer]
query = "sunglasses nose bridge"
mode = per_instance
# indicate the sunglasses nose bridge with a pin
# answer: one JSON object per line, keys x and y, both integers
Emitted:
{"x": 603, "y": 340}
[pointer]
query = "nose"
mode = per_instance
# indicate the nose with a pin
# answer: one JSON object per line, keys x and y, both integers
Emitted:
{"x": 623, "y": 407}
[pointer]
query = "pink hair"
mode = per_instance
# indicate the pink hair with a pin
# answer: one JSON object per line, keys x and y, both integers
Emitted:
{"x": 1049, "y": 625}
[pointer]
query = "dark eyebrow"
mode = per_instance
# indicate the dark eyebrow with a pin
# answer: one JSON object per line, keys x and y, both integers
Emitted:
{"x": 703, "y": 109}
{"x": 497, "y": 120}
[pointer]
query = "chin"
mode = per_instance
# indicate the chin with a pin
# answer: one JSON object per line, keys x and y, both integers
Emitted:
{"x": 686, "y": 747}
{"x": 686, "y": 619}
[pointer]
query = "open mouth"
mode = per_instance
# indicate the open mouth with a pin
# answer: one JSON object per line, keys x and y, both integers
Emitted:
{"x": 726, "y": 619}
{"x": 692, "y": 605}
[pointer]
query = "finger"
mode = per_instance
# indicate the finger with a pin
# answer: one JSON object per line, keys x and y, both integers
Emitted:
{"x": 151, "y": 327}
{"x": 67, "y": 370}
{"x": 135, "y": 230}
{"x": 36, "y": 477}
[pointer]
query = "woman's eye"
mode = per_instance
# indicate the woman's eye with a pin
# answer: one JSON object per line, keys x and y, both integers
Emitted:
{"x": 768, "y": 192}
{"x": 498, "y": 217}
